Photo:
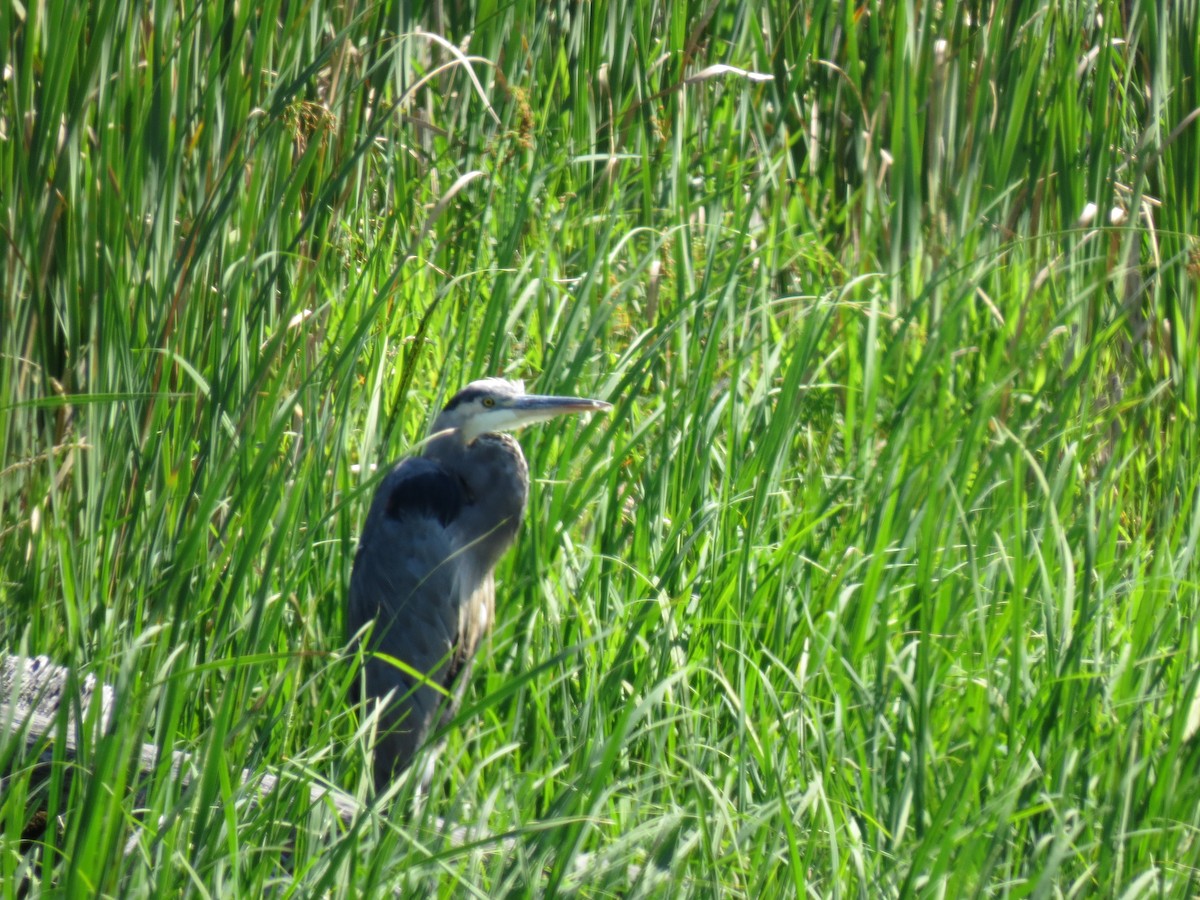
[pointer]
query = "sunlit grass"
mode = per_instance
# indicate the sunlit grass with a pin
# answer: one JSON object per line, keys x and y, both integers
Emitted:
{"x": 880, "y": 578}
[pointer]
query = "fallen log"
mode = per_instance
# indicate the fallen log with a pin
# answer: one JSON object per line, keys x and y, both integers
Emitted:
{"x": 33, "y": 691}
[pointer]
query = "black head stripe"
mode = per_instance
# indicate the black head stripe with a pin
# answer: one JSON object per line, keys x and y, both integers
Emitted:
{"x": 465, "y": 396}
{"x": 485, "y": 387}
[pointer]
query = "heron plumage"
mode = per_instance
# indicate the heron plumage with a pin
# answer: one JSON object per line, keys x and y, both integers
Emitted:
{"x": 437, "y": 526}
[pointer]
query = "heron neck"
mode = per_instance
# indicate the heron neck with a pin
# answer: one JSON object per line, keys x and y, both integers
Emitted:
{"x": 495, "y": 481}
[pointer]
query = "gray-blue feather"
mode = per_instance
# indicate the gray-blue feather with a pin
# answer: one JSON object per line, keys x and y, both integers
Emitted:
{"x": 423, "y": 572}
{"x": 405, "y": 582}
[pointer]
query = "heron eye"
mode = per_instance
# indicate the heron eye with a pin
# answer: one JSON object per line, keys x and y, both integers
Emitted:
{"x": 489, "y": 402}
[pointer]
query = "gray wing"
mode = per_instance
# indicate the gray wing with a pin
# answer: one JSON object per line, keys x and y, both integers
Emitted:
{"x": 407, "y": 579}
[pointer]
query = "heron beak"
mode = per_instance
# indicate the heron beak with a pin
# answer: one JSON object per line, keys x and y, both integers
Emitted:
{"x": 533, "y": 408}
{"x": 527, "y": 409}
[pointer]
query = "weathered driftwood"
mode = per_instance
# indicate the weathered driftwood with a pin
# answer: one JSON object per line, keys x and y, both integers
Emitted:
{"x": 33, "y": 690}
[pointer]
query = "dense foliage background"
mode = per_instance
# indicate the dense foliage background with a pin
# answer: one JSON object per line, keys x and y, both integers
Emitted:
{"x": 880, "y": 579}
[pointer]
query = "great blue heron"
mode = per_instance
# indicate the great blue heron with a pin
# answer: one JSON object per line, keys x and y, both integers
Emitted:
{"x": 438, "y": 524}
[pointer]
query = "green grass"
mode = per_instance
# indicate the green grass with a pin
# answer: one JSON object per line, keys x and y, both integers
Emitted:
{"x": 879, "y": 580}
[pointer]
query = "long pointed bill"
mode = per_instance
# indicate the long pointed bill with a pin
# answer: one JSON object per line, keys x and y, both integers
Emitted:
{"x": 511, "y": 414}
{"x": 533, "y": 408}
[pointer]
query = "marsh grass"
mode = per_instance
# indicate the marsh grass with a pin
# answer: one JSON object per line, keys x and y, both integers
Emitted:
{"x": 880, "y": 579}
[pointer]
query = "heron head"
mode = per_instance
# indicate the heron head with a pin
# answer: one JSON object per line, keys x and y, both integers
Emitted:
{"x": 492, "y": 405}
